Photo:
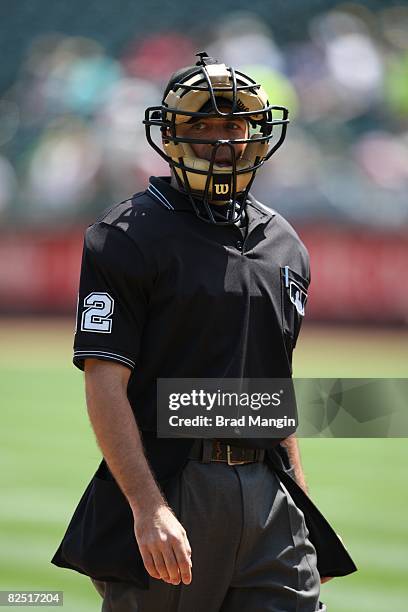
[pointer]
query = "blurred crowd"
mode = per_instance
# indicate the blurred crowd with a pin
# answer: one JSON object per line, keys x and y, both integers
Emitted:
{"x": 72, "y": 140}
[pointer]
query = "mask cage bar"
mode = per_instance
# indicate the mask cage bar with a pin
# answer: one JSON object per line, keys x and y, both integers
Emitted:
{"x": 164, "y": 123}
{"x": 217, "y": 113}
{"x": 172, "y": 126}
{"x": 252, "y": 87}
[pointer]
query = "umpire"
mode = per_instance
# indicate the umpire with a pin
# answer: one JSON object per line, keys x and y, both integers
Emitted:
{"x": 194, "y": 278}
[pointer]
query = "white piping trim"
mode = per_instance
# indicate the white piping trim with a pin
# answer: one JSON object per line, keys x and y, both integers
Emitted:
{"x": 115, "y": 356}
{"x": 155, "y": 197}
{"x": 159, "y": 193}
{"x": 159, "y": 196}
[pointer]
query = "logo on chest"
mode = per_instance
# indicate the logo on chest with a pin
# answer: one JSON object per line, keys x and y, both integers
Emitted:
{"x": 298, "y": 297}
{"x": 295, "y": 289}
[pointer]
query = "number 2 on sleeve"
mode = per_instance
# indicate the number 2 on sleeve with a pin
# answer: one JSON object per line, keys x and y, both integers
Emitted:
{"x": 98, "y": 312}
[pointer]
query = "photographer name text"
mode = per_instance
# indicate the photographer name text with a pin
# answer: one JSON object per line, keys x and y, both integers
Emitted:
{"x": 222, "y": 421}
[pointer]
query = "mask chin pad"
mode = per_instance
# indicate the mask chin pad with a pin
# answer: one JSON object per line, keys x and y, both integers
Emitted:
{"x": 254, "y": 150}
{"x": 185, "y": 151}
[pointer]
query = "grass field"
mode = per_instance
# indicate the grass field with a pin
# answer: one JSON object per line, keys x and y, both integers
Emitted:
{"x": 48, "y": 454}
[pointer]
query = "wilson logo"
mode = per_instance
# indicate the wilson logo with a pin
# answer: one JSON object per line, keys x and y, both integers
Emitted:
{"x": 221, "y": 188}
{"x": 242, "y": 107}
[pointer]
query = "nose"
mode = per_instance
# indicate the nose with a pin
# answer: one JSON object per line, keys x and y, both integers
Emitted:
{"x": 223, "y": 153}
{"x": 221, "y": 134}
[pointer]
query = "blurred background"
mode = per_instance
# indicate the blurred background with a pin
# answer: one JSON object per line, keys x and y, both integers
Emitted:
{"x": 75, "y": 79}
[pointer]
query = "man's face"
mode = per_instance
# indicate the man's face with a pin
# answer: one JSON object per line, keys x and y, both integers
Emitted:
{"x": 215, "y": 128}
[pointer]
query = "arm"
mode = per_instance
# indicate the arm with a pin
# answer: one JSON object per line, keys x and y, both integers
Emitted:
{"x": 292, "y": 447}
{"x": 161, "y": 538}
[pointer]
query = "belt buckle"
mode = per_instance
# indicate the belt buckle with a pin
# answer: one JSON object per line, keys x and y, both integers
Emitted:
{"x": 231, "y": 461}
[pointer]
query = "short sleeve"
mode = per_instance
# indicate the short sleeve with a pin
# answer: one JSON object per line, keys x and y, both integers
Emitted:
{"x": 112, "y": 299}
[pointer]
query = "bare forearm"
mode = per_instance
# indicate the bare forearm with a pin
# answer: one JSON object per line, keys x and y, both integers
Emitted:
{"x": 292, "y": 447}
{"x": 118, "y": 436}
{"x": 162, "y": 540}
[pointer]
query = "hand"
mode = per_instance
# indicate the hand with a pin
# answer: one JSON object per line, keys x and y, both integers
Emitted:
{"x": 163, "y": 544}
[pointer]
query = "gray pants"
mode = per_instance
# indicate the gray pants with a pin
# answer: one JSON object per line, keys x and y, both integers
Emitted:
{"x": 250, "y": 548}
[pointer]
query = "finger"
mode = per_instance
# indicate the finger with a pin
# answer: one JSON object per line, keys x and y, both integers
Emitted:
{"x": 149, "y": 564}
{"x": 188, "y": 547}
{"x": 171, "y": 564}
{"x": 326, "y": 579}
{"x": 183, "y": 558}
{"x": 160, "y": 565}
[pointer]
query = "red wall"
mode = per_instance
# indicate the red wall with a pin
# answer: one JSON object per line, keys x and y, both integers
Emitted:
{"x": 356, "y": 275}
{"x": 39, "y": 271}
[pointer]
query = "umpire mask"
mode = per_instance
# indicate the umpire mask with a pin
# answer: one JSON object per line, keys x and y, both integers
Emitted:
{"x": 212, "y": 90}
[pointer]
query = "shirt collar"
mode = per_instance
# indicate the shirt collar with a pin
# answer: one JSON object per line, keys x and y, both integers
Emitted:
{"x": 171, "y": 198}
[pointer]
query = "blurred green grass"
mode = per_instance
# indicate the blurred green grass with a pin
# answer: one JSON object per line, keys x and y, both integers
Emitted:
{"x": 48, "y": 455}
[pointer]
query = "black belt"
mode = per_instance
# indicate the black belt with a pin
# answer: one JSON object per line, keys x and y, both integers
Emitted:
{"x": 216, "y": 450}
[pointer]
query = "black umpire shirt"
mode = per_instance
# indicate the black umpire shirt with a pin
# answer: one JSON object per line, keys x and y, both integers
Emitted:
{"x": 171, "y": 296}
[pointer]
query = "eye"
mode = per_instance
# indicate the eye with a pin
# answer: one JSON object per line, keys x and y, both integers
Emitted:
{"x": 200, "y": 125}
{"x": 233, "y": 126}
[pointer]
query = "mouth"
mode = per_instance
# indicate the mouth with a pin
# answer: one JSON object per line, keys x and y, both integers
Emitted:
{"x": 223, "y": 162}
{"x": 220, "y": 161}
